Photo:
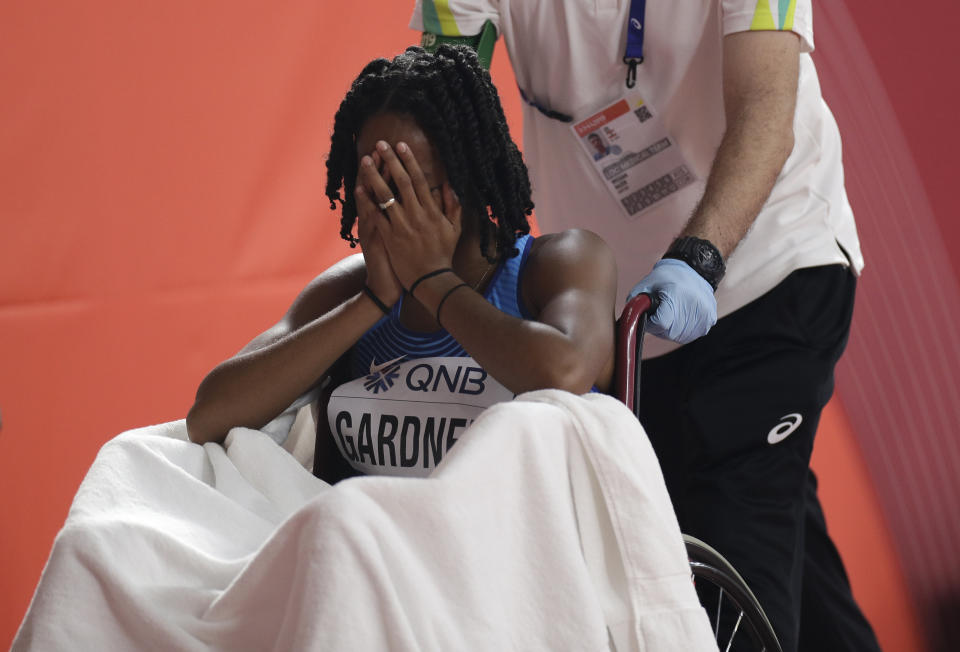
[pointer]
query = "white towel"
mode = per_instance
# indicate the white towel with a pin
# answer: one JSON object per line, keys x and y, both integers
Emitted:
{"x": 547, "y": 527}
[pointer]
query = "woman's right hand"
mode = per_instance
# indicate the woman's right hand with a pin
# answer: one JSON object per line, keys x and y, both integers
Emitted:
{"x": 381, "y": 278}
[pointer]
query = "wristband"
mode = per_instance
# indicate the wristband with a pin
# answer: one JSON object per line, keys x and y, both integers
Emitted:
{"x": 445, "y": 297}
{"x": 376, "y": 300}
{"x": 435, "y": 272}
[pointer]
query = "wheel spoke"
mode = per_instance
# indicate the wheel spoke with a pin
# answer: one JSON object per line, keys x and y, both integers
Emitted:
{"x": 715, "y": 578}
{"x": 716, "y": 625}
{"x": 734, "y": 632}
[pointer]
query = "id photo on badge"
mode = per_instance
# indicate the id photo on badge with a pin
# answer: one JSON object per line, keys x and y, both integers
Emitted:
{"x": 597, "y": 144}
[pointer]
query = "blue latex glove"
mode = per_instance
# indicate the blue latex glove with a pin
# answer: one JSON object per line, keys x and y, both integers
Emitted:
{"x": 687, "y": 307}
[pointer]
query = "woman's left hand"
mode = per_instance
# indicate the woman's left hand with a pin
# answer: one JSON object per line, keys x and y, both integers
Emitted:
{"x": 419, "y": 235}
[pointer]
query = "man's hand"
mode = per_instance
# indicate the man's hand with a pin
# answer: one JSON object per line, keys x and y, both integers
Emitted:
{"x": 687, "y": 307}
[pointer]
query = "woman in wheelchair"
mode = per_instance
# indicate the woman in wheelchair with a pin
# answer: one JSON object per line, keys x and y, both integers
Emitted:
{"x": 451, "y": 306}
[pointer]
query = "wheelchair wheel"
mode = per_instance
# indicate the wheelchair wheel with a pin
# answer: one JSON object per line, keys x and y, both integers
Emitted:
{"x": 736, "y": 617}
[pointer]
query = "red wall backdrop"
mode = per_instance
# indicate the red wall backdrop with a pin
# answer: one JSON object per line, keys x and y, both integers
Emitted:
{"x": 161, "y": 201}
{"x": 891, "y": 81}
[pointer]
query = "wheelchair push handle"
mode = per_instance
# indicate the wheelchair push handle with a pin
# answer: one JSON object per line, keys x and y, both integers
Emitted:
{"x": 630, "y": 328}
{"x": 644, "y": 303}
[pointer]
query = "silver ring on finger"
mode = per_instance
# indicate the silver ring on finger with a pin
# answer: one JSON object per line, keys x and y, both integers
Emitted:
{"x": 387, "y": 204}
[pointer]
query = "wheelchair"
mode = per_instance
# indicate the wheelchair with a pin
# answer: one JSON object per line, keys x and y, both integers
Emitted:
{"x": 737, "y": 619}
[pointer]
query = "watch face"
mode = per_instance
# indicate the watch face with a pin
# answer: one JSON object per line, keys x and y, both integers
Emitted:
{"x": 707, "y": 258}
{"x": 701, "y": 255}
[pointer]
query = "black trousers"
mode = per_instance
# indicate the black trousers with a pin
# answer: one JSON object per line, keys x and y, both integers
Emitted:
{"x": 732, "y": 417}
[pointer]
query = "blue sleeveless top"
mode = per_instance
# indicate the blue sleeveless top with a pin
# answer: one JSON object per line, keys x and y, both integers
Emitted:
{"x": 410, "y": 394}
{"x": 389, "y": 339}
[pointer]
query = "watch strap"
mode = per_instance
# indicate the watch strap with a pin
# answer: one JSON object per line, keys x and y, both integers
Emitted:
{"x": 701, "y": 255}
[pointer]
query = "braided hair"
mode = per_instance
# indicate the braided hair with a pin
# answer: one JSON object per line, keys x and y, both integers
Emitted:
{"x": 452, "y": 99}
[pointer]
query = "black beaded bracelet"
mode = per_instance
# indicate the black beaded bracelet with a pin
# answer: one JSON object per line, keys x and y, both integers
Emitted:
{"x": 435, "y": 272}
{"x": 376, "y": 300}
{"x": 445, "y": 297}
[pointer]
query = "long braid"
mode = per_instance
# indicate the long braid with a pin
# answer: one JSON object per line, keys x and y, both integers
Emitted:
{"x": 452, "y": 99}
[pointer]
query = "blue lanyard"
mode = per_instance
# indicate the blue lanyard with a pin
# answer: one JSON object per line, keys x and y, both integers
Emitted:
{"x": 633, "y": 56}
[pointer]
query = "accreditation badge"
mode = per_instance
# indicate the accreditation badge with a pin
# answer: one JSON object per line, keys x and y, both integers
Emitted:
{"x": 630, "y": 148}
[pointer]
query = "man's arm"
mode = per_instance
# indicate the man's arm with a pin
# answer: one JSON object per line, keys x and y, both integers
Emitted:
{"x": 760, "y": 71}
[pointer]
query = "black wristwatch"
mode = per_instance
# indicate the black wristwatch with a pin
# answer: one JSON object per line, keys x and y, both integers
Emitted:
{"x": 701, "y": 255}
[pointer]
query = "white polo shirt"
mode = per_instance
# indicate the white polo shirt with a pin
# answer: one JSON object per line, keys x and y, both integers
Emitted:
{"x": 567, "y": 56}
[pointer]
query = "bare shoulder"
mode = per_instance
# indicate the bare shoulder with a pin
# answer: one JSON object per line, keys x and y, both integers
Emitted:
{"x": 573, "y": 247}
{"x": 327, "y": 290}
{"x": 571, "y": 260}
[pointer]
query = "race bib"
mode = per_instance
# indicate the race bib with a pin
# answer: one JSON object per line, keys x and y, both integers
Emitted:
{"x": 402, "y": 417}
{"x": 629, "y": 147}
